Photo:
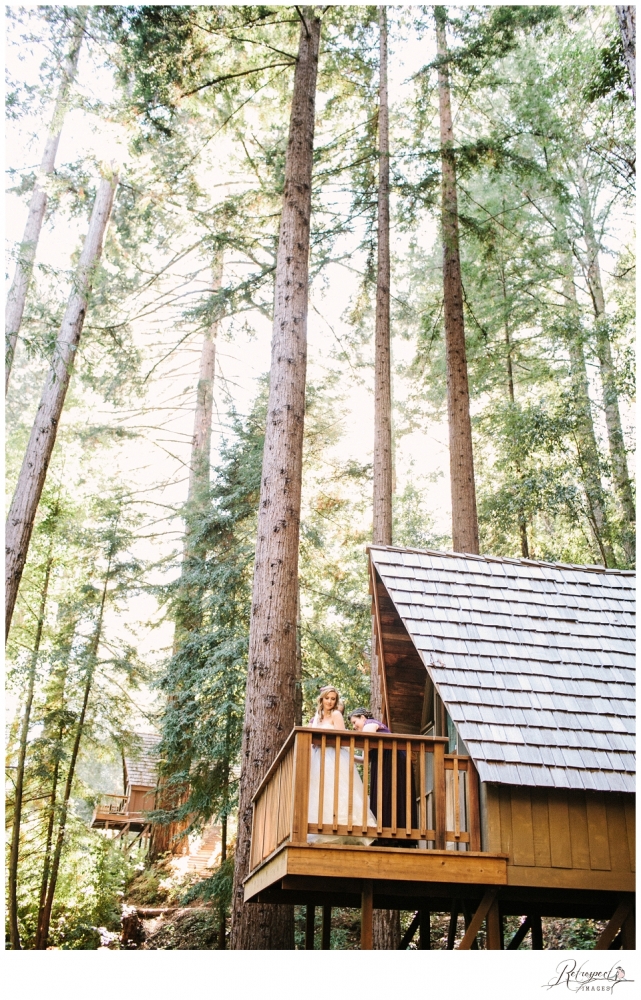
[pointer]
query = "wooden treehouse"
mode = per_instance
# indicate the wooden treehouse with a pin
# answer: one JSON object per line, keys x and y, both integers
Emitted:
{"x": 509, "y": 689}
{"x": 128, "y": 813}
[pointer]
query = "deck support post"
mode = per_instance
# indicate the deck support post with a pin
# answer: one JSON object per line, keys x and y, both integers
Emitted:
{"x": 367, "y": 916}
{"x": 537, "y": 933}
{"x": 486, "y": 904}
{"x": 424, "y": 943}
{"x": 628, "y": 941}
{"x": 520, "y": 934}
{"x": 493, "y": 925}
{"x": 467, "y": 917}
{"x": 309, "y": 927}
{"x": 327, "y": 927}
{"x": 451, "y": 933}
{"x": 620, "y": 915}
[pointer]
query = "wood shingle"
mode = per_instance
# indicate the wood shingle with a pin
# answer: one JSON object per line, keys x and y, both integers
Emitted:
{"x": 534, "y": 662}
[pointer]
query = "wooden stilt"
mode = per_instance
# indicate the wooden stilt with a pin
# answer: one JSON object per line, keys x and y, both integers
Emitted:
{"x": 408, "y": 936}
{"x": 537, "y": 934}
{"x": 327, "y": 927}
{"x": 628, "y": 942}
{"x": 493, "y": 924}
{"x": 467, "y": 917}
{"x": 309, "y": 927}
{"x": 520, "y": 934}
{"x": 451, "y": 933}
{"x": 620, "y": 915}
{"x": 475, "y": 925}
{"x": 424, "y": 942}
{"x": 367, "y": 914}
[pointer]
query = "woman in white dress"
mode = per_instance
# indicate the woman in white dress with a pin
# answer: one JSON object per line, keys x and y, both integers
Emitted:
{"x": 328, "y": 716}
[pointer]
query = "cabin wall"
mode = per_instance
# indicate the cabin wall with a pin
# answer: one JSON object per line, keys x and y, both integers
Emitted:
{"x": 141, "y": 799}
{"x": 557, "y": 838}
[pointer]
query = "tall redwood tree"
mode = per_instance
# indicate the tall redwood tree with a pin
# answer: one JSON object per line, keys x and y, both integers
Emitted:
{"x": 272, "y": 676}
{"x": 465, "y": 532}
{"x": 45, "y": 427}
{"x": 17, "y": 296}
{"x": 387, "y": 925}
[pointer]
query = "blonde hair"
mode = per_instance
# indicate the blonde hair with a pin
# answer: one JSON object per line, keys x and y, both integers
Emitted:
{"x": 318, "y": 717}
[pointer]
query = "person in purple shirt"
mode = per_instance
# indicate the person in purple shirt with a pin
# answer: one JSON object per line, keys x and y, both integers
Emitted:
{"x": 363, "y": 720}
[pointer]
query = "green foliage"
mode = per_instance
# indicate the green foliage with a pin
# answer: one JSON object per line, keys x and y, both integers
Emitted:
{"x": 216, "y": 889}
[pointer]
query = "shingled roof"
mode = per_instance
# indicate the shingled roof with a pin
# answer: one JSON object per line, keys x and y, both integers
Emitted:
{"x": 534, "y": 662}
{"x": 142, "y": 765}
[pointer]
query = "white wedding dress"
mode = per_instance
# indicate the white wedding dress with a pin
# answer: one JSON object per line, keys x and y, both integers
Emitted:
{"x": 343, "y": 796}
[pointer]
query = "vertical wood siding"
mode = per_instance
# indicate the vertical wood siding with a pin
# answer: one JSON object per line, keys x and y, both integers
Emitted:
{"x": 555, "y": 828}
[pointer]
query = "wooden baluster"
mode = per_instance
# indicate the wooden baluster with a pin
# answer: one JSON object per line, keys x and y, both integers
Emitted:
{"x": 439, "y": 795}
{"x": 252, "y": 847}
{"x": 367, "y": 912}
{"x": 422, "y": 801}
{"x": 379, "y": 790}
{"x": 300, "y": 780}
{"x": 394, "y": 785}
{"x": 321, "y": 785}
{"x": 408, "y": 788}
{"x": 350, "y": 786}
{"x": 309, "y": 927}
{"x": 473, "y": 811}
{"x": 457, "y": 811}
{"x": 365, "y": 781}
{"x": 337, "y": 770}
{"x": 326, "y": 931}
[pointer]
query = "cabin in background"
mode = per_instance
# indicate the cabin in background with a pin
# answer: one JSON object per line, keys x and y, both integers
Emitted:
{"x": 510, "y": 685}
{"x": 128, "y": 813}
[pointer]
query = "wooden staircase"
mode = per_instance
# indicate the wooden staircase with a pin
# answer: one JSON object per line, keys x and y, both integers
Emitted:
{"x": 204, "y": 857}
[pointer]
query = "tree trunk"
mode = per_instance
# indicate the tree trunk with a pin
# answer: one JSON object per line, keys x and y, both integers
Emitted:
{"x": 465, "y": 532}
{"x": 522, "y": 519}
{"x": 618, "y": 456}
{"x": 38, "y": 205}
{"x": 22, "y": 755}
{"x": 270, "y": 706}
{"x": 628, "y": 24}
{"x": 386, "y": 923}
{"x": 43, "y": 435}
{"x": 46, "y": 867}
{"x": 166, "y": 837}
{"x": 45, "y": 921}
{"x": 201, "y": 440}
{"x": 587, "y": 448}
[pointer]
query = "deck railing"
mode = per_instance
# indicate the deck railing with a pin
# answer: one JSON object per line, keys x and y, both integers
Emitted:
{"x": 403, "y": 790}
{"x": 113, "y": 804}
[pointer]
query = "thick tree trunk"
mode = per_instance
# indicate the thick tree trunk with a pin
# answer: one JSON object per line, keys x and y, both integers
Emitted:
{"x": 38, "y": 205}
{"x": 42, "y": 940}
{"x": 627, "y": 16}
{"x": 22, "y": 756}
{"x": 270, "y": 706}
{"x": 618, "y": 456}
{"x": 386, "y": 923}
{"x": 587, "y": 448}
{"x": 43, "y": 435}
{"x": 465, "y": 532}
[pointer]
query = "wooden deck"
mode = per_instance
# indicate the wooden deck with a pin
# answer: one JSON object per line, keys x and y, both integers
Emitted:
{"x": 434, "y": 795}
{"x": 115, "y": 812}
{"x": 338, "y": 869}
